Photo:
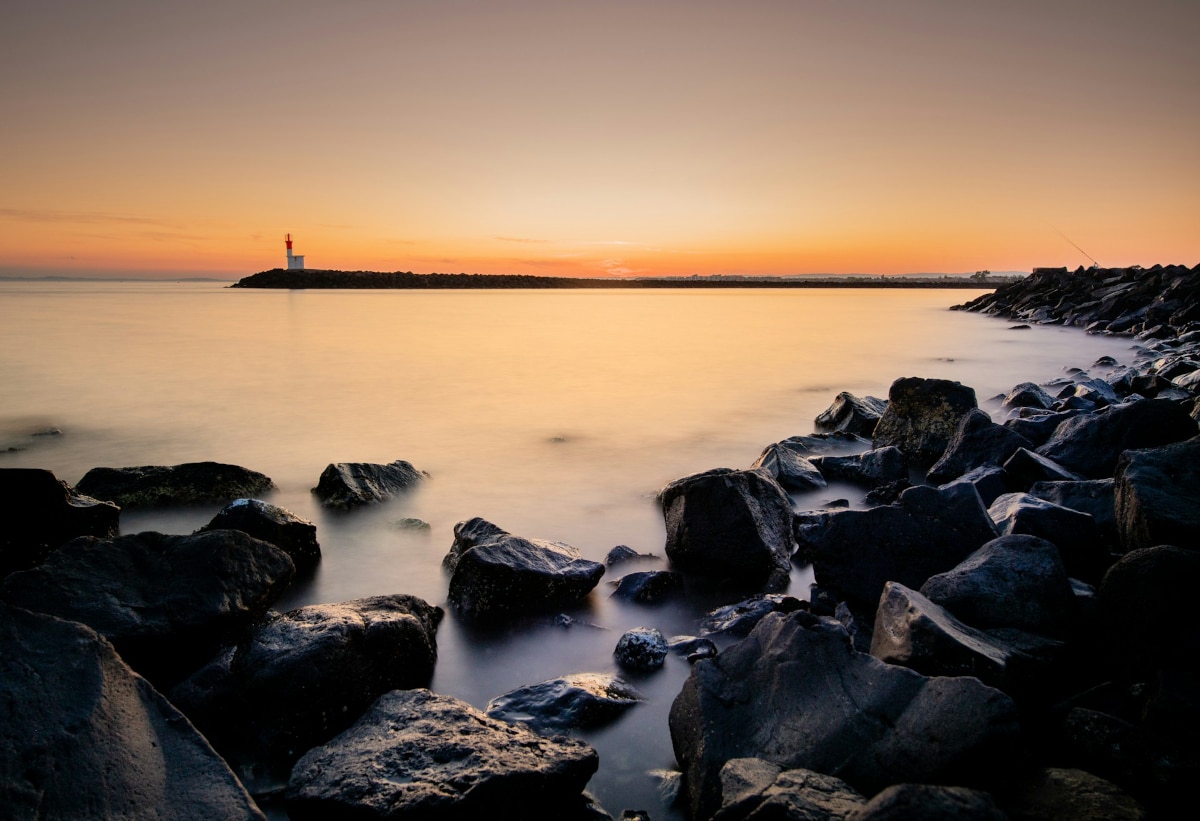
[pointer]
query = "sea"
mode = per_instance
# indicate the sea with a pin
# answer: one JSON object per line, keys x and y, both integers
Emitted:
{"x": 554, "y": 414}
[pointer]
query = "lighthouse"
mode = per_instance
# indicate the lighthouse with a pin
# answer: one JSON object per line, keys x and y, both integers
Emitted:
{"x": 295, "y": 263}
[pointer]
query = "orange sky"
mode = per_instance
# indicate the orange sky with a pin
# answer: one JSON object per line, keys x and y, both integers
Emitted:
{"x": 615, "y": 138}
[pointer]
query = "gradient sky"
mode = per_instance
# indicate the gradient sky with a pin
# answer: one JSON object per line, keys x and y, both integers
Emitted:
{"x": 598, "y": 138}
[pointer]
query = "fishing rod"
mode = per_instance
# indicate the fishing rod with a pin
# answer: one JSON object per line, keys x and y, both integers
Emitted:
{"x": 1077, "y": 248}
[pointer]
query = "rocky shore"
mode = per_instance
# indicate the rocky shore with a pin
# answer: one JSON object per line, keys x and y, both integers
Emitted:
{"x": 1000, "y": 627}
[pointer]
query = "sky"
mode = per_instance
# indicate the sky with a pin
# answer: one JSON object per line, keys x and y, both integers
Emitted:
{"x": 616, "y": 138}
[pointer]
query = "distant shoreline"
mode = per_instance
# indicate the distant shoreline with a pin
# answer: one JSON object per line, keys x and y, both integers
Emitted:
{"x": 406, "y": 280}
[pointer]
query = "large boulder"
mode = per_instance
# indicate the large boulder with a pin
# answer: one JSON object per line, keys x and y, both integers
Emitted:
{"x": 1028, "y": 395}
{"x": 796, "y": 694}
{"x": 930, "y": 802}
{"x": 977, "y": 441}
{"x": 873, "y": 468}
{"x": 494, "y": 572}
{"x": 740, "y": 618}
{"x": 731, "y": 525}
{"x": 294, "y": 536}
{"x": 299, "y": 678}
{"x": 1055, "y": 793}
{"x": 1157, "y": 496}
{"x": 581, "y": 701}
{"x": 851, "y": 414}
{"x": 1025, "y": 468}
{"x": 192, "y": 483}
{"x": 1075, "y": 534}
{"x": 649, "y": 586}
{"x": 83, "y": 736}
{"x": 922, "y": 415}
{"x": 1014, "y": 581}
{"x": 38, "y": 512}
{"x": 1038, "y": 426}
{"x": 419, "y": 755}
{"x": 1095, "y": 497}
{"x": 989, "y": 481}
{"x": 790, "y": 468}
{"x": 1091, "y": 444}
{"x": 757, "y": 790}
{"x": 167, "y": 602}
{"x": 928, "y": 531}
{"x": 346, "y": 485}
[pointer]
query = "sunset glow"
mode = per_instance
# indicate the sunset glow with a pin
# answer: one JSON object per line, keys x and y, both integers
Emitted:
{"x": 597, "y": 139}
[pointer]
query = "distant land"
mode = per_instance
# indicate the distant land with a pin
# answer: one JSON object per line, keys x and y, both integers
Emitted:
{"x": 317, "y": 279}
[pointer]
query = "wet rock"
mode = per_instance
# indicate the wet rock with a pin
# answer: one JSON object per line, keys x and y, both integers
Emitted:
{"x": 888, "y": 493}
{"x": 873, "y": 468}
{"x": 988, "y": 480}
{"x": 294, "y": 536}
{"x": 929, "y": 802}
{"x": 1075, "y": 534}
{"x": 38, "y": 512}
{"x": 623, "y": 553}
{"x": 1054, "y": 793}
{"x": 167, "y": 602}
{"x": 851, "y": 414}
{"x": 575, "y": 702}
{"x": 817, "y": 444}
{"x": 922, "y": 415}
{"x": 649, "y": 586}
{"x": 978, "y": 441}
{"x": 412, "y": 525}
{"x": 1156, "y": 493}
{"x": 1028, "y": 395}
{"x": 729, "y": 525}
{"x": 795, "y": 693}
{"x": 792, "y": 470}
{"x": 758, "y": 790}
{"x": 301, "y": 677}
{"x": 1095, "y": 497}
{"x": 192, "y": 483}
{"x": 84, "y": 737}
{"x": 1026, "y": 468}
{"x": 740, "y": 618}
{"x": 642, "y": 648}
{"x": 1092, "y": 443}
{"x": 928, "y": 531}
{"x": 1013, "y": 581}
{"x": 495, "y": 572}
{"x": 346, "y": 485}
{"x": 1039, "y": 427}
{"x": 692, "y": 648}
{"x": 416, "y": 754}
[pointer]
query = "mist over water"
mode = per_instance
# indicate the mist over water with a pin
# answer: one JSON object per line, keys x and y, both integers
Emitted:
{"x": 554, "y": 414}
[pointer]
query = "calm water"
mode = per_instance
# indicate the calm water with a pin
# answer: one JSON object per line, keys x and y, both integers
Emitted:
{"x": 553, "y": 414}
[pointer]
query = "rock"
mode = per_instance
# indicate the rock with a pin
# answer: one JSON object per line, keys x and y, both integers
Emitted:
{"x": 978, "y": 441}
{"x": 642, "y": 648}
{"x": 494, "y": 572}
{"x": 758, "y": 790}
{"x": 817, "y": 444}
{"x": 1095, "y": 497}
{"x": 298, "y": 679}
{"x": 346, "y": 485}
{"x": 623, "y": 553}
{"x": 794, "y": 693}
{"x": 729, "y": 525}
{"x": 1155, "y": 496}
{"x": 1013, "y": 581}
{"x": 887, "y": 494}
{"x": 988, "y": 480}
{"x": 929, "y": 802}
{"x": 167, "y": 602}
{"x": 1092, "y": 443}
{"x": 922, "y": 415}
{"x": 577, "y": 702}
{"x": 1054, "y": 793}
{"x": 851, "y": 414}
{"x": 1028, "y": 395}
{"x": 928, "y": 531}
{"x": 649, "y": 586}
{"x": 1129, "y": 756}
{"x": 192, "y": 483}
{"x": 416, "y": 754}
{"x": 1074, "y": 534}
{"x": 692, "y": 648}
{"x": 1025, "y": 468}
{"x": 38, "y": 512}
{"x": 83, "y": 736}
{"x": 412, "y": 525}
{"x": 294, "y": 536}
{"x": 740, "y": 618}
{"x": 792, "y": 470}
{"x": 1039, "y": 427}
{"x": 873, "y": 468}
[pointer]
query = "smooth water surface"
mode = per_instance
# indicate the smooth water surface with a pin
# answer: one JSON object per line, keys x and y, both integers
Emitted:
{"x": 554, "y": 414}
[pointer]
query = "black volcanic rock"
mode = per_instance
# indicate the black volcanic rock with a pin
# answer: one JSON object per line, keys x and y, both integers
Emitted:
{"x": 1092, "y": 443}
{"x": 294, "y": 536}
{"x": 38, "y": 512}
{"x": 1157, "y": 496}
{"x": 579, "y": 701}
{"x": 922, "y": 416}
{"x": 852, "y": 414}
{"x": 192, "y": 483}
{"x": 346, "y": 485}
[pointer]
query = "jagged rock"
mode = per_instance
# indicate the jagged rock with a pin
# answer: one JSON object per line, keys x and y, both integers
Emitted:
{"x": 1092, "y": 443}
{"x": 729, "y": 525}
{"x": 579, "y": 701}
{"x": 929, "y": 802}
{"x": 978, "y": 441}
{"x": 796, "y": 694}
{"x": 1055, "y": 793}
{"x": 1095, "y": 497}
{"x": 346, "y": 485}
{"x": 1075, "y": 534}
{"x": 623, "y": 553}
{"x": 692, "y": 648}
{"x": 740, "y": 618}
{"x": 757, "y": 790}
{"x": 1028, "y": 395}
{"x": 1040, "y": 426}
{"x": 922, "y": 415}
{"x": 38, "y": 512}
{"x": 294, "y": 536}
{"x": 928, "y": 531}
{"x": 192, "y": 483}
{"x": 416, "y": 754}
{"x": 649, "y": 586}
{"x": 792, "y": 470}
{"x": 82, "y": 736}
{"x": 299, "y": 678}
{"x": 851, "y": 414}
{"x": 988, "y": 480}
{"x": 494, "y": 572}
{"x": 1013, "y": 581}
{"x": 1026, "y": 468}
{"x": 167, "y": 602}
{"x": 818, "y": 444}
{"x": 642, "y": 648}
{"x": 873, "y": 468}
{"x": 1157, "y": 496}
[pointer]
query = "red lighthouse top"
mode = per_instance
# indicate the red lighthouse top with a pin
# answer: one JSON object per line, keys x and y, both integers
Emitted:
{"x": 288, "y": 240}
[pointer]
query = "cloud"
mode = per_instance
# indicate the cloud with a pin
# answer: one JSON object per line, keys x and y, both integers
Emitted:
{"x": 616, "y": 268}
{"x": 519, "y": 239}
{"x": 75, "y": 217}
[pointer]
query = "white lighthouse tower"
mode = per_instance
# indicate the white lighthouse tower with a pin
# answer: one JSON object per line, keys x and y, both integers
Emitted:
{"x": 295, "y": 263}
